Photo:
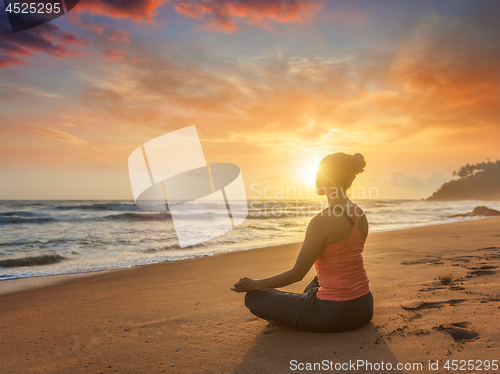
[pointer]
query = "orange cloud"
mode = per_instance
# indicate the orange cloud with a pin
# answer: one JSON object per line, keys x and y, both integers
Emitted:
{"x": 446, "y": 76}
{"x": 217, "y": 14}
{"x": 136, "y": 10}
{"x": 59, "y": 135}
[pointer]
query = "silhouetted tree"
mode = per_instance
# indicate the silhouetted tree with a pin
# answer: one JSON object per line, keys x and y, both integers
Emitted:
{"x": 468, "y": 170}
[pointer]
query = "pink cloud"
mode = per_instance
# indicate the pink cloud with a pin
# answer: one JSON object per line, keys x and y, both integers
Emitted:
{"x": 115, "y": 35}
{"x": 119, "y": 36}
{"x": 75, "y": 18}
{"x": 47, "y": 38}
{"x": 217, "y": 14}
{"x": 114, "y": 54}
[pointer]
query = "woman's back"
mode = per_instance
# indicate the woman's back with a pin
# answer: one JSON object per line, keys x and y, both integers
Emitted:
{"x": 340, "y": 267}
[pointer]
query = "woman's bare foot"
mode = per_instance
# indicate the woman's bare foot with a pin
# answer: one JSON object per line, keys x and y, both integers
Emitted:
{"x": 273, "y": 323}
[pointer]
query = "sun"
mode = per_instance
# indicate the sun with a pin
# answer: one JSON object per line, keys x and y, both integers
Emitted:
{"x": 307, "y": 172}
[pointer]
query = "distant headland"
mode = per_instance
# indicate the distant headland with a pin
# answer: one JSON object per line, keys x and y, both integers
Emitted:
{"x": 476, "y": 182}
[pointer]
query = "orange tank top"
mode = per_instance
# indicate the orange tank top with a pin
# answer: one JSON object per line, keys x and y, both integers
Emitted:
{"x": 341, "y": 272}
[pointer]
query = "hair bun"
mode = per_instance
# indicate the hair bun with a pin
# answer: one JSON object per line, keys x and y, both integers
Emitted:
{"x": 357, "y": 163}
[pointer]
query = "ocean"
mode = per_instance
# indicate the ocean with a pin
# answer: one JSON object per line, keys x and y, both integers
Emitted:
{"x": 63, "y": 237}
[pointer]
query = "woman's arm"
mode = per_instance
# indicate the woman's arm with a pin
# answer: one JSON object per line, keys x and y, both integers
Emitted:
{"x": 314, "y": 241}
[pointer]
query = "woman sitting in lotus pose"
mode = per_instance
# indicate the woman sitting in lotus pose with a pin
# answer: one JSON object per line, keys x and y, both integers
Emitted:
{"x": 338, "y": 298}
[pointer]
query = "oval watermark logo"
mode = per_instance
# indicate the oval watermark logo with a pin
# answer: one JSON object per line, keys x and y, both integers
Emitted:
{"x": 204, "y": 200}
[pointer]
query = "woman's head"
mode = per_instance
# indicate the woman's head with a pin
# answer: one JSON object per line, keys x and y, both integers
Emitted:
{"x": 339, "y": 170}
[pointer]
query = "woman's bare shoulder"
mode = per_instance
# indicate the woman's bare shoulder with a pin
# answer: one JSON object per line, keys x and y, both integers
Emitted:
{"x": 327, "y": 219}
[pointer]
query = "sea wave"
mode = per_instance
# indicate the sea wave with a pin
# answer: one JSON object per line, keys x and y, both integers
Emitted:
{"x": 32, "y": 261}
{"x": 98, "y": 207}
{"x": 269, "y": 215}
{"x": 169, "y": 248}
{"x": 138, "y": 216}
{"x": 201, "y": 215}
{"x": 32, "y": 218}
{"x": 19, "y": 213}
{"x": 8, "y": 220}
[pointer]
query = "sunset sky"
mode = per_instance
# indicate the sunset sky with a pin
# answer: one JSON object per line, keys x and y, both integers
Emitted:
{"x": 272, "y": 86}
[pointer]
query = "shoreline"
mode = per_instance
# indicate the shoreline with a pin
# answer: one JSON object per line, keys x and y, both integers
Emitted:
{"x": 435, "y": 290}
{"x": 8, "y": 286}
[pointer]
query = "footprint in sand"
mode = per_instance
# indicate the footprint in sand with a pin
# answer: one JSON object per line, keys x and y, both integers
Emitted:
{"x": 426, "y": 262}
{"x": 442, "y": 282}
{"x": 488, "y": 248}
{"x": 456, "y": 288}
{"x": 482, "y": 270}
{"x": 415, "y": 305}
{"x": 459, "y": 331}
{"x": 494, "y": 253}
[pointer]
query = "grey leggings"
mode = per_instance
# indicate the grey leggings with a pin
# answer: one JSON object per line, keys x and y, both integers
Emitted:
{"x": 304, "y": 311}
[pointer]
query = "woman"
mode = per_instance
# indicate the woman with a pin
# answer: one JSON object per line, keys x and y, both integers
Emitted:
{"x": 338, "y": 298}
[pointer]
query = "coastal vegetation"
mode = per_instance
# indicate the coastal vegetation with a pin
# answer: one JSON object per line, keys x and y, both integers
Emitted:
{"x": 475, "y": 182}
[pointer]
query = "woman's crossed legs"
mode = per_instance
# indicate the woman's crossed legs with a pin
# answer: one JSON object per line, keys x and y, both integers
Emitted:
{"x": 304, "y": 311}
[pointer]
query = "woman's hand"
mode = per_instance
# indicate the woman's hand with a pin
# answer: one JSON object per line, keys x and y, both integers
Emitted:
{"x": 245, "y": 285}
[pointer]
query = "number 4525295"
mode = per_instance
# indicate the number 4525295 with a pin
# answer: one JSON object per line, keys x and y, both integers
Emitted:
{"x": 471, "y": 365}
{"x": 34, "y": 8}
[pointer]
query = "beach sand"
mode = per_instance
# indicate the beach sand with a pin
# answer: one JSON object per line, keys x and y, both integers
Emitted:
{"x": 182, "y": 317}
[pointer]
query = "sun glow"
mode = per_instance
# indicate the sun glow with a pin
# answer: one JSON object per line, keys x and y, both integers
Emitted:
{"x": 307, "y": 172}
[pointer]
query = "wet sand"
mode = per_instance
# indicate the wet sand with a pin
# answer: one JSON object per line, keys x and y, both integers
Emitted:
{"x": 436, "y": 292}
